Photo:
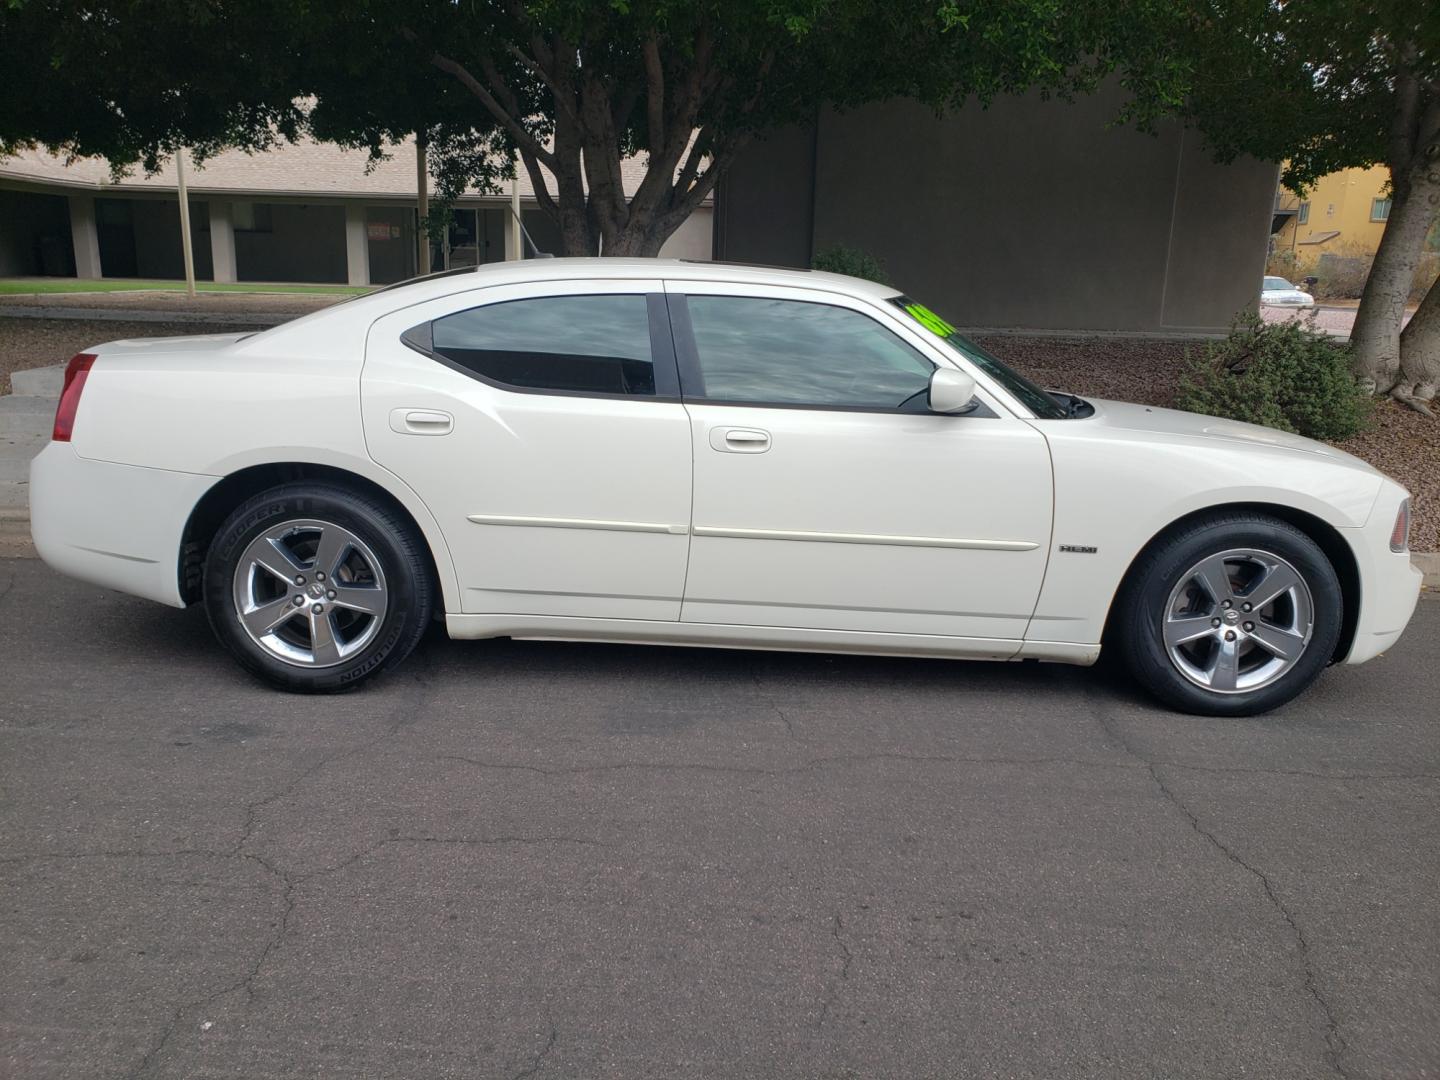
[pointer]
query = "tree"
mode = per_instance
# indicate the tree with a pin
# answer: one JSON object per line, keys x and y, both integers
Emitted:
{"x": 1327, "y": 85}
{"x": 571, "y": 87}
{"x": 1420, "y": 354}
{"x": 133, "y": 82}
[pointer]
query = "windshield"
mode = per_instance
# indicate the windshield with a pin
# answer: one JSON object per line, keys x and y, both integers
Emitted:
{"x": 1273, "y": 284}
{"x": 1022, "y": 389}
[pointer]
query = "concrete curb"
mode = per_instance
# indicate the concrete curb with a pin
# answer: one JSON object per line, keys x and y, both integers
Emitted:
{"x": 146, "y": 315}
{"x": 1429, "y": 564}
{"x": 15, "y": 540}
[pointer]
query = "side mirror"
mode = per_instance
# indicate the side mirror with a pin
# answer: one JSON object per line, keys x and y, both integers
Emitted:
{"x": 951, "y": 391}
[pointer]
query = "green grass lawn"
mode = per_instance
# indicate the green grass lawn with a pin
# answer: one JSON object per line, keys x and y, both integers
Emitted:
{"x": 28, "y": 286}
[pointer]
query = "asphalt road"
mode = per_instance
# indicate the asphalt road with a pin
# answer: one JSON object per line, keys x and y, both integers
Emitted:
{"x": 537, "y": 860}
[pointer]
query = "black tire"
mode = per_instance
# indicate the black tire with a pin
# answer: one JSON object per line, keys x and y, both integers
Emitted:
{"x": 1145, "y": 602}
{"x": 401, "y": 575}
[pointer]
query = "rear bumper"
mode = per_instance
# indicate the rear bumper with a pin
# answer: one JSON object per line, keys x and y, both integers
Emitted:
{"x": 1389, "y": 581}
{"x": 119, "y": 526}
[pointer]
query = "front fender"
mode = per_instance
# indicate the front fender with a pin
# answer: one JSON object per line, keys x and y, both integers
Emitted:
{"x": 1115, "y": 491}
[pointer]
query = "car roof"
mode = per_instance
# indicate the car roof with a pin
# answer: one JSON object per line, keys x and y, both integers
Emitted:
{"x": 610, "y": 269}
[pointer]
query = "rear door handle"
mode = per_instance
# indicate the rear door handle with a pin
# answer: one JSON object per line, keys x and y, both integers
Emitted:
{"x": 421, "y": 422}
{"x": 739, "y": 440}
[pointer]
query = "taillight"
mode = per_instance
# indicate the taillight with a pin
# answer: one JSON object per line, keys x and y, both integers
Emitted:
{"x": 75, "y": 374}
{"x": 1400, "y": 535}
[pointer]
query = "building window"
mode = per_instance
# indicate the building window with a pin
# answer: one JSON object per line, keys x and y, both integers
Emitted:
{"x": 1304, "y": 215}
{"x": 1379, "y": 209}
{"x": 251, "y": 217}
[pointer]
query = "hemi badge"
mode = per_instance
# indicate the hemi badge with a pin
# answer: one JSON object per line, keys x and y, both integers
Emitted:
{"x": 1078, "y": 549}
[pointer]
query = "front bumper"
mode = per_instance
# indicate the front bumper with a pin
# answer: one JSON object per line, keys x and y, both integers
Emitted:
{"x": 1389, "y": 581}
{"x": 119, "y": 526}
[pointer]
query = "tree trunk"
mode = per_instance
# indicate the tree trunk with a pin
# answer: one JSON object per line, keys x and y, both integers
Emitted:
{"x": 1375, "y": 339}
{"x": 1420, "y": 355}
{"x": 642, "y": 237}
{"x": 422, "y": 203}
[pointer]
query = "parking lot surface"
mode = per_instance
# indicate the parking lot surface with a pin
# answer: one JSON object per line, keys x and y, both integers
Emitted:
{"x": 547, "y": 860}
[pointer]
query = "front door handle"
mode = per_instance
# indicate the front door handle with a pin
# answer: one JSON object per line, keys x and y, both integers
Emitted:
{"x": 421, "y": 422}
{"x": 739, "y": 440}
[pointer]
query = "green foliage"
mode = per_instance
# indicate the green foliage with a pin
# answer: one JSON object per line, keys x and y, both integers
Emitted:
{"x": 852, "y": 262}
{"x": 1288, "y": 376}
{"x": 571, "y": 86}
{"x": 1322, "y": 85}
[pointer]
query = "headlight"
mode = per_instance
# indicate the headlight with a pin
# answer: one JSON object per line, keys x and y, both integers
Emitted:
{"x": 1400, "y": 535}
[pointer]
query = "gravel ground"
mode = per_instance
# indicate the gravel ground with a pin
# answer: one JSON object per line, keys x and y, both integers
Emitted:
{"x": 1401, "y": 442}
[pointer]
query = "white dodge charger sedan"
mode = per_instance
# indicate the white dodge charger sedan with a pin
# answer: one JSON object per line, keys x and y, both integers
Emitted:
{"x": 701, "y": 454}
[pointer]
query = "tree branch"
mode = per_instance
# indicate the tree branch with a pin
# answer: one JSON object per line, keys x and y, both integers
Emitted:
{"x": 698, "y": 149}
{"x": 563, "y": 99}
{"x": 705, "y": 182}
{"x": 509, "y": 120}
{"x": 657, "y": 189}
{"x": 538, "y": 182}
{"x": 1405, "y": 120}
{"x": 655, "y": 84}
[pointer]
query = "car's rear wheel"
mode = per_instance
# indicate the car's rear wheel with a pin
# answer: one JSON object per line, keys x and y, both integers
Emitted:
{"x": 1231, "y": 615}
{"x": 315, "y": 588}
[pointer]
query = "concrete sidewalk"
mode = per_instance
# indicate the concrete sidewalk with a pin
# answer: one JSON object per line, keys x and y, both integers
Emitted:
{"x": 1334, "y": 319}
{"x": 26, "y": 419}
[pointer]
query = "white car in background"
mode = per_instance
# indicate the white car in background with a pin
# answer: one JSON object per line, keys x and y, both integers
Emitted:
{"x": 1280, "y": 293}
{"x": 700, "y": 454}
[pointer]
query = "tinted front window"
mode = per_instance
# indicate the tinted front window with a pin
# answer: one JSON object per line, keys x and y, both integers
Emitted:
{"x": 1273, "y": 284}
{"x": 788, "y": 352}
{"x": 580, "y": 344}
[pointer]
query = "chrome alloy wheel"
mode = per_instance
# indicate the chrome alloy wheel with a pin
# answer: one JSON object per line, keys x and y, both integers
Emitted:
{"x": 1238, "y": 620}
{"x": 310, "y": 593}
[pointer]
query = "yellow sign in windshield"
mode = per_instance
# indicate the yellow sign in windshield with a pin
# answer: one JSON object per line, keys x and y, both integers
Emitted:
{"x": 928, "y": 319}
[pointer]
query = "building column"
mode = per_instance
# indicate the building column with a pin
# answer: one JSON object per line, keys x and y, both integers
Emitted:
{"x": 511, "y": 235}
{"x": 357, "y": 245}
{"x": 85, "y": 236}
{"x": 222, "y": 242}
{"x": 514, "y": 241}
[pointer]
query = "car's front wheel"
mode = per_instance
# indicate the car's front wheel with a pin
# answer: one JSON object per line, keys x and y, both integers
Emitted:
{"x": 315, "y": 588}
{"x": 1231, "y": 615}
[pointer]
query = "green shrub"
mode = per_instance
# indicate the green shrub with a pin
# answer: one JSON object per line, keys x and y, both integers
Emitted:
{"x": 852, "y": 262}
{"x": 1282, "y": 263}
{"x": 1288, "y": 376}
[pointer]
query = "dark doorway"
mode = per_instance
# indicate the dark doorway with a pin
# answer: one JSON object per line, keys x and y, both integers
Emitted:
{"x": 115, "y": 222}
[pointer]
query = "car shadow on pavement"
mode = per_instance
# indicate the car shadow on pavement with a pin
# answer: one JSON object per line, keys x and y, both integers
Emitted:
{"x": 169, "y": 637}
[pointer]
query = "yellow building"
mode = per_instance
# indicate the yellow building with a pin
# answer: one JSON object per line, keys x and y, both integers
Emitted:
{"x": 1343, "y": 214}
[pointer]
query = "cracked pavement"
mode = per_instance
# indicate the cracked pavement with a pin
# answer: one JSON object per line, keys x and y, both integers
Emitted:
{"x": 545, "y": 860}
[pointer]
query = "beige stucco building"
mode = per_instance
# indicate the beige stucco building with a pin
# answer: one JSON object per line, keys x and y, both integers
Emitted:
{"x": 308, "y": 212}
